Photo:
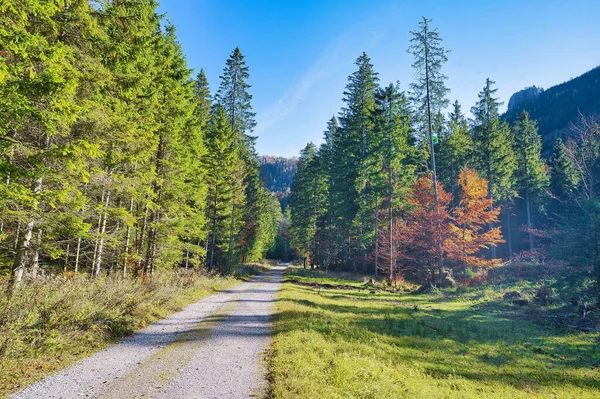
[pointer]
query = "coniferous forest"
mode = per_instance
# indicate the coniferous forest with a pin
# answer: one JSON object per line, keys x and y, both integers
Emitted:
{"x": 115, "y": 158}
{"x": 423, "y": 249}
{"x": 402, "y": 190}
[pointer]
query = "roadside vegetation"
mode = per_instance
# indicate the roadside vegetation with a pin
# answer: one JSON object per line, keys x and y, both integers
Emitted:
{"x": 372, "y": 341}
{"x": 49, "y": 323}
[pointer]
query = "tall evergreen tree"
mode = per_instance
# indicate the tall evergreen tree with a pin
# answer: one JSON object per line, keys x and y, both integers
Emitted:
{"x": 203, "y": 98}
{"x": 391, "y": 162}
{"x": 563, "y": 176}
{"x": 234, "y": 98}
{"x": 233, "y": 95}
{"x": 428, "y": 92}
{"x": 455, "y": 150}
{"x": 349, "y": 184}
{"x": 495, "y": 155}
{"x": 222, "y": 159}
{"x": 308, "y": 198}
{"x": 531, "y": 176}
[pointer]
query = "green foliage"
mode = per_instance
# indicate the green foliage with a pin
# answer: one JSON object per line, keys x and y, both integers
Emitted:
{"x": 277, "y": 172}
{"x": 557, "y": 107}
{"x": 563, "y": 176}
{"x": 495, "y": 158}
{"x": 428, "y": 92}
{"x": 104, "y": 164}
{"x": 531, "y": 175}
{"x": 455, "y": 151}
{"x": 308, "y": 196}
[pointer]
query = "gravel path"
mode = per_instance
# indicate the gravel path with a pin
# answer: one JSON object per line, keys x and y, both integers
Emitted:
{"x": 211, "y": 349}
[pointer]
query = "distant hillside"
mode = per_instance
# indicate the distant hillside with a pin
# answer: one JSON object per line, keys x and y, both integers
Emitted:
{"x": 277, "y": 172}
{"x": 558, "y": 106}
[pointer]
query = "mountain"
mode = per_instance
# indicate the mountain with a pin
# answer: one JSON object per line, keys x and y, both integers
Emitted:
{"x": 559, "y": 106}
{"x": 277, "y": 174}
{"x": 523, "y": 98}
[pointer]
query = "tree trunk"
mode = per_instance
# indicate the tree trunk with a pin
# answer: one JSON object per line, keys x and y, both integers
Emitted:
{"x": 509, "y": 231}
{"x": 187, "y": 256}
{"x": 24, "y": 244}
{"x": 376, "y": 238}
{"x": 231, "y": 231}
{"x": 143, "y": 233}
{"x": 529, "y": 223}
{"x": 66, "y": 266}
{"x": 77, "y": 255}
{"x": 35, "y": 263}
{"x": 102, "y": 228}
{"x": 127, "y": 238}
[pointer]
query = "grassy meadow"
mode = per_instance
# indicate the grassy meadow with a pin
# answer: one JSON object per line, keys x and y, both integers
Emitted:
{"x": 364, "y": 342}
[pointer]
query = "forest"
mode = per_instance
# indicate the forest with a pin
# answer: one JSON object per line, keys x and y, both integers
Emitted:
{"x": 418, "y": 250}
{"x": 114, "y": 158}
{"x": 401, "y": 190}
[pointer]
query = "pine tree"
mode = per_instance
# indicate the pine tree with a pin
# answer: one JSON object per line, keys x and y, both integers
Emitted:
{"x": 234, "y": 98}
{"x": 531, "y": 176}
{"x": 303, "y": 216}
{"x": 428, "y": 93}
{"x": 203, "y": 98}
{"x": 455, "y": 150}
{"x": 233, "y": 95}
{"x": 494, "y": 149}
{"x": 392, "y": 166}
{"x": 45, "y": 98}
{"x": 330, "y": 241}
{"x": 349, "y": 184}
{"x": 563, "y": 176}
{"x": 221, "y": 160}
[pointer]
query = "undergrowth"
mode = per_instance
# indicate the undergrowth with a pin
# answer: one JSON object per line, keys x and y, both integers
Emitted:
{"x": 52, "y": 322}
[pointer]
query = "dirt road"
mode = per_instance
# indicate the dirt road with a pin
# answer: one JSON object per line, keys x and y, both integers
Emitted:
{"x": 211, "y": 349}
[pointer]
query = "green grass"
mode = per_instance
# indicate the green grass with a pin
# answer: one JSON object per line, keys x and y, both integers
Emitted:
{"x": 459, "y": 343}
{"x": 51, "y": 323}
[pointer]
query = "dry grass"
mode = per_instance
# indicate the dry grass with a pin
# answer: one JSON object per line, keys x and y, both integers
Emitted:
{"x": 51, "y": 323}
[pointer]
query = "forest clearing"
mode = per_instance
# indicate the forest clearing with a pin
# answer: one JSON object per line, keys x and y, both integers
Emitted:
{"x": 357, "y": 340}
{"x": 351, "y": 210}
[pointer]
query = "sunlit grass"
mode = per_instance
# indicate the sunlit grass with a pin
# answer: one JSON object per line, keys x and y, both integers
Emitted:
{"x": 51, "y": 323}
{"x": 334, "y": 343}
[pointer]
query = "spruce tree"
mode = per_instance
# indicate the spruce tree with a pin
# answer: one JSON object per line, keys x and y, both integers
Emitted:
{"x": 233, "y": 95}
{"x": 45, "y": 78}
{"x": 455, "y": 150}
{"x": 531, "y": 175}
{"x": 203, "y": 98}
{"x": 303, "y": 217}
{"x": 350, "y": 185}
{"x": 392, "y": 164}
{"x": 494, "y": 148}
{"x": 221, "y": 162}
{"x": 428, "y": 93}
{"x": 563, "y": 176}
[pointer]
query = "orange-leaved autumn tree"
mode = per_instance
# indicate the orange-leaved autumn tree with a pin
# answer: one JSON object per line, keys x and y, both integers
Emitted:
{"x": 470, "y": 221}
{"x": 421, "y": 229}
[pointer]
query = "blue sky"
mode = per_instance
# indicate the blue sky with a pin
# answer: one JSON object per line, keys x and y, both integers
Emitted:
{"x": 301, "y": 52}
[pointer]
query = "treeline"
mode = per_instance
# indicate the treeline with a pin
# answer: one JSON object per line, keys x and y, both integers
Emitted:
{"x": 401, "y": 189}
{"x": 113, "y": 157}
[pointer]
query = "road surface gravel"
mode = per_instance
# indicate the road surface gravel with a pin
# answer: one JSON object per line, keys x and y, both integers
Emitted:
{"x": 211, "y": 349}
